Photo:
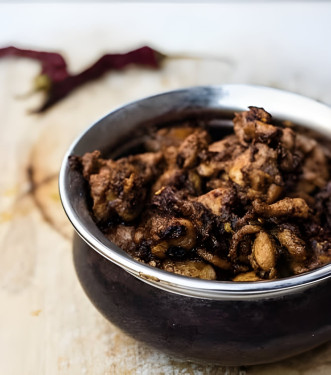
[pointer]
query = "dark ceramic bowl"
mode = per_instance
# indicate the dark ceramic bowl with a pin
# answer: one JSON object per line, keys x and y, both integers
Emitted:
{"x": 216, "y": 322}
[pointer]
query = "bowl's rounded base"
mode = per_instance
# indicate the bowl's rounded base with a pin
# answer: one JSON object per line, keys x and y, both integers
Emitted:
{"x": 230, "y": 333}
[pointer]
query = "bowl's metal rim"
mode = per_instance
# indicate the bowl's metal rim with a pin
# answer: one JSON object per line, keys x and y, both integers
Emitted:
{"x": 218, "y": 290}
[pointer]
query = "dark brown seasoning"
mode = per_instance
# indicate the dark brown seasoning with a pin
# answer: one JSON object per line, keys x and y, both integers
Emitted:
{"x": 250, "y": 206}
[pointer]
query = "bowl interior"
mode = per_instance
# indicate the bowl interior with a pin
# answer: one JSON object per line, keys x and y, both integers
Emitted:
{"x": 124, "y": 128}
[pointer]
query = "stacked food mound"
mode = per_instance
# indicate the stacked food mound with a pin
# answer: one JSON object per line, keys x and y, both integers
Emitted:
{"x": 253, "y": 205}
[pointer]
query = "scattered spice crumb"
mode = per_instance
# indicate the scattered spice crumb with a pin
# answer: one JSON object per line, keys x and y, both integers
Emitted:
{"x": 10, "y": 192}
{"x": 5, "y": 216}
{"x": 36, "y": 312}
{"x": 55, "y": 196}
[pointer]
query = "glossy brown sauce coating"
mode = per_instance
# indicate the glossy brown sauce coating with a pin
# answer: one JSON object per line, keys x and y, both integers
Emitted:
{"x": 253, "y": 205}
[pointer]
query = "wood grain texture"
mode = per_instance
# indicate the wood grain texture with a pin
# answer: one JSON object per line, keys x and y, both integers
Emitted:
{"x": 47, "y": 324}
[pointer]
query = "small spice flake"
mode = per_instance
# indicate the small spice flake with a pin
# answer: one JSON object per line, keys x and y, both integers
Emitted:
{"x": 159, "y": 191}
{"x": 5, "y": 216}
{"x": 227, "y": 227}
{"x": 36, "y": 312}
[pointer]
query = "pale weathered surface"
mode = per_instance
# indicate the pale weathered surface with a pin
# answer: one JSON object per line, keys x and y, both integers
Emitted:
{"x": 47, "y": 324}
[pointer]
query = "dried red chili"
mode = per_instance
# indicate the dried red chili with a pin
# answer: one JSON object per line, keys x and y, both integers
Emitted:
{"x": 144, "y": 56}
{"x": 53, "y": 64}
{"x": 56, "y": 81}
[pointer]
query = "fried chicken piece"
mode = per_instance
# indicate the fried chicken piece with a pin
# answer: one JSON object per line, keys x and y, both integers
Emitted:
{"x": 173, "y": 202}
{"x": 191, "y": 269}
{"x": 217, "y": 199}
{"x": 246, "y": 277}
{"x": 208, "y": 226}
{"x": 236, "y": 173}
{"x": 179, "y": 162}
{"x": 225, "y": 147}
{"x": 91, "y": 163}
{"x": 290, "y": 207}
{"x": 273, "y": 193}
{"x": 189, "y": 150}
{"x": 304, "y": 143}
{"x": 123, "y": 237}
{"x": 172, "y": 174}
{"x": 288, "y": 139}
{"x": 162, "y": 232}
{"x": 289, "y": 156}
{"x": 264, "y": 253}
{"x": 168, "y": 136}
{"x": 220, "y": 156}
{"x": 239, "y": 236}
{"x": 119, "y": 186}
{"x": 322, "y": 252}
{"x": 256, "y": 171}
{"x": 100, "y": 193}
{"x": 254, "y": 125}
{"x": 315, "y": 171}
{"x": 214, "y": 259}
{"x": 294, "y": 245}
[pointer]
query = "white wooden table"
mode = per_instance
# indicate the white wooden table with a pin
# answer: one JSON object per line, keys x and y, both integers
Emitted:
{"x": 47, "y": 324}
